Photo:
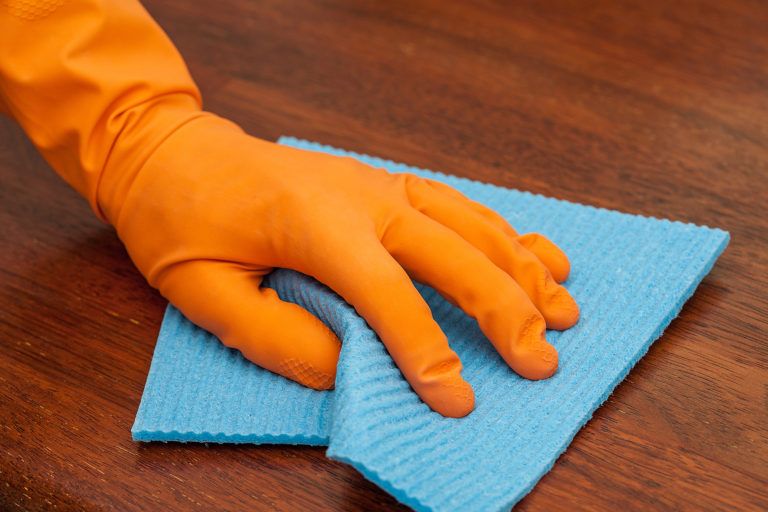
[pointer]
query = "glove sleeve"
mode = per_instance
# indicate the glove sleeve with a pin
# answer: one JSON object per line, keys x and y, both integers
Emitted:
{"x": 96, "y": 85}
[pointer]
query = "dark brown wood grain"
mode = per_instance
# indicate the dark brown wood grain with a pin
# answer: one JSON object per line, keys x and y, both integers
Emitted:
{"x": 650, "y": 107}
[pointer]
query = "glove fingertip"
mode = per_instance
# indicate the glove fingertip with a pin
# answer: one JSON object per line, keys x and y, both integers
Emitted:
{"x": 549, "y": 254}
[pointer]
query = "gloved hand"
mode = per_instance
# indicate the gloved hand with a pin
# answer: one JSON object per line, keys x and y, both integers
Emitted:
{"x": 206, "y": 211}
{"x": 214, "y": 210}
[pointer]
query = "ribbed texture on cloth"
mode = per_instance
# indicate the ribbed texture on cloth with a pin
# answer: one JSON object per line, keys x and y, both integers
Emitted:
{"x": 630, "y": 275}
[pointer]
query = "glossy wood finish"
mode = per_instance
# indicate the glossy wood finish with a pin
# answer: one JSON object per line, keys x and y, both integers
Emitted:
{"x": 649, "y": 107}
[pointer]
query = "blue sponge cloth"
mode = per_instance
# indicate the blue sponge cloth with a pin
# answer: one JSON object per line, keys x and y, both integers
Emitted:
{"x": 630, "y": 275}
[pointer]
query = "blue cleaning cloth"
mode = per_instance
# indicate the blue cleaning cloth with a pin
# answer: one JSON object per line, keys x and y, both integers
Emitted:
{"x": 630, "y": 275}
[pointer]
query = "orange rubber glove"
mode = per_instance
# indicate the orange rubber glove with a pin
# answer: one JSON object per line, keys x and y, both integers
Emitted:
{"x": 206, "y": 211}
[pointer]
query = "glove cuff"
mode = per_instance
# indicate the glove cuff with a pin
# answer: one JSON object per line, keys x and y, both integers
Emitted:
{"x": 146, "y": 128}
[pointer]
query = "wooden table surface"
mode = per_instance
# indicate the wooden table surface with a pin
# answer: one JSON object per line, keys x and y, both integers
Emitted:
{"x": 642, "y": 106}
